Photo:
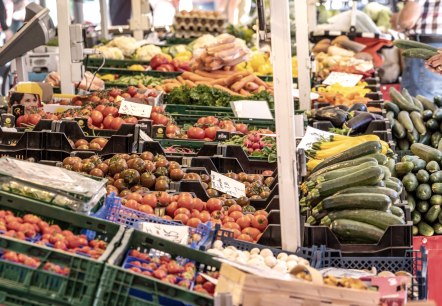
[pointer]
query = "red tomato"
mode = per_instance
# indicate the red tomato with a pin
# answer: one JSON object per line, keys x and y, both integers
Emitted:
{"x": 261, "y": 212}
{"x": 236, "y": 215}
{"x": 158, "y": 109}
{"x": 234, "y": 207}
{"x": 172, "y": 129}
{"x": 34, "y": 119}
{"x": 195, "y": 213}
{"x": 146, "y": 209}
{"x": 229, "y": 128}
{"x": 150, "y": 199}
{"x": 100, "y": 108}
{"x": 197, "y": 204}
{"x": 252, "y": 232}
{"x": 116, "y": 123}
{"x": 181, "y": 217}
{"x": 193, "y": 222}
{"x": 131, "y": 120}
{"x": 183, "y": 211}
{"x": 245, "y": 237}
{"x": 243, "y": 222}
{"x": 97, "y": 117}
{"x": 170, "y": 209}
{"x": 186, "y": 202}
{"x": 23, "y": 119}
{"x": 135, "y": 196}
{"x": 162, "y": 119}
{"x": 241, "y": 127}
{"x": 216, "y": 215}
{"x": 163, "y": 198}
{"x": 195, "y": 133}
{"x": 214, "y": 204}
{"x": 153, "y": 116}
{"x": 228, "y": 219}
{"x": 210, "y": 132}
{"x": 201, "y": 121}
{"x": 260, "y": 222}
{"x": 204, "y": 216}
{"x": 211, "y": 120}
{"x": 110, "y": 110}
{"x": 107, "y": 122}
{"x": 232, "y": 225}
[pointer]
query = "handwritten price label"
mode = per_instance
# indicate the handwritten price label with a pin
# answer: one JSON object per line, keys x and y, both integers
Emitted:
{"x": 345, "y": 79}
{"x": 175, "y": 233}
{"x": 135, "y": 109}
{"x": 227, "y": 185}
{"x": 251, "y": 109}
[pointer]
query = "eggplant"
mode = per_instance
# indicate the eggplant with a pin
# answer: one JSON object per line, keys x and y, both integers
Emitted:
{"x": 358, "y": 107}
{"x": 343, "y": 107}
{"x": 377, "y": 116}
{"x": 360, "y": 122}
{"x": 335, "y": 115}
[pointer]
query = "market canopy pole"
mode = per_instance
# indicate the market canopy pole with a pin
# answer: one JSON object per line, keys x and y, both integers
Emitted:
{"x": 104, "y": 19}
{"x": 285, "y": 124}
{"x": 64, "y": 43}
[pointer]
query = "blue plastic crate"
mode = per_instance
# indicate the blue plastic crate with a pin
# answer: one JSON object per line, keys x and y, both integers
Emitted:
{"x": 114, "y": 211}
{"x": 414, "y": 262}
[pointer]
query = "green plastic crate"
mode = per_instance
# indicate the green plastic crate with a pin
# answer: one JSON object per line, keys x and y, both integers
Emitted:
{"x": 122, "y": 71}
{"x": 79, "y": 287}
{"x": 119, "y": 286}
{"x": 97, "y": 61}
{"x": 16, "y": 298}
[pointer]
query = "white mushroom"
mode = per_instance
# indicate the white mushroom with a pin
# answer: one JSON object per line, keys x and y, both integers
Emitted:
{"x": 254, "y": 251}
{"x": 292, "y": 257}
{"x": 218, "y": 244}
{"x": 281, "y": 267}
{"x": 291, "y": 264}
{"x": 282, "y": 256}
{"x": 266, "y": 252}
{"x": 270, "y": 261}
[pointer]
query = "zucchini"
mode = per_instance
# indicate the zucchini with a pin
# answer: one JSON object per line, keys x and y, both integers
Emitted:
{"x": 403, "y": 144}
{"x": 425, "y": 139}
{"x": 380, "y": 184}
{"x": 392, "y": 194}
{"x": 425, "y": 229}
{"x": 354, "y": 201}
{"x": 411, "y": 202}
{"x": 418, "y": 122}
{"x": 405, "y": 120}
{"x": 432, "y": 166}
{"x": 419, "y": 53}
{"x": 345, "y": 164}
{"x": 348, "y": 230}
{"x": 331, "y": 175}
{"x": 435, "y": 139}
{"x": 433, "y": 213}
{"x": 422, "y": 176}
{"x": 391, "y": 107}
{"x": 398, "y": 212}
{"x": 419, "y": 164}
{"x": 387, "y": 173}
{"x": 377, "y": 218}
{"x": 399, "y": 130}
{"x": 432, "y": 125}
{"x": 439, "y": 146}
{"x": 418, "y": 104}
{"x": 413, "y": 136}
{"x": 381, "y": 158}
{"x": 437, "y": 114}
{"x": 428, "y": 104}
{"x": 438, "y": 101}
{"x": 427, "y": 114}
{"x": 410, "y": 158}
{"x": 415, "y": 230}
{"x": 393, "y": 185}
{"x": 422, "y": 206}
{"x": 360, "y": 150}
{"x": 423, "y": 192}
{"x": 436, "y": 177}
{"x": 436, "y": 199}
{"x": 410, "y": 182}
{"x": 391, "y": 165}
{"x": 390, "y": 117}
{"x": 425, "y": 152}
{"x": 437, "y": 228}
{"x": 411, "y": 44}
{"x": 402, "y": 168}
{"x": 416, "y": 217}
{"x": 401, "y": 102}
{"x": 436, "y": 188}
{"x": 396, "y": 180}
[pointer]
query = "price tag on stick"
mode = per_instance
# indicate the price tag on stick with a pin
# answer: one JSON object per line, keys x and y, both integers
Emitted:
{"x": 135, "y": 109}
{"x": 251, "y": 109}
{"x": 176, "y": 233}
{"x": 345, "y": 79}
{"x": 227, "y": 185}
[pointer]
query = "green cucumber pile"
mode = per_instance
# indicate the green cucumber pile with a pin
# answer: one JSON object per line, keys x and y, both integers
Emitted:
{"x": 414, "y": 120}
{"x": 415, "y": 49}
{"x": 354, "y": 194}
{"x": 422, "y": 180}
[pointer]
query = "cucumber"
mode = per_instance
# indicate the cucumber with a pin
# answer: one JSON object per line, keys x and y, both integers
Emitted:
{"x": 435, "y": 138}
{"x": 432, "y": 125}
{"x": 402, "y": 168}
{"x": 341, "y": 172}
{"x": 387, "y": 173}
{"x": 422, "y": 206}
{"x": 392, "y": 194}
{"x": 410, "y": 158}
{"x": 416, "y": 217}
{"x": 381, "y": 158}
{"x": 390, "y": 117}
{"x": 377, "y": 218}
{"x": 391, "y": 165}
{"x": 413, "y": 136}
{"x": 411, "y": 202}
{"x": 428, "y": 104}
{"x": 437, "y": 228}
{"x": 425, "y": 139}
{"x": 423, "y": 192}
{"x": 436, "y": 199}
{"x": 425, "y": 152}
{"x": 405, "y": 120}
{"x": 427, "y": 114}
{"x": 415, "y": 230}
{"x": 399, "y": 130}
{"x": 422, "y": 176}
{"x": 411, "y": 44}
{"x": 360, "y": 150}
{"x": 391, "y": 107}
{"x": 418, "y": 53}
{"x": 380, "y": 184}
{"x": 436, "y": 177}
{"x": 437, "y": 114}
{"x": 396, "y": 180}
{"x": 398, "y": 212}
{"x": 393, "y": 185}
{"x": 410, "y": 182}
{"x": 433, "y": 213}
{"x": 348, "y": 230}
{"x": 354, "y": 201}
{"x": 401, "y": 102}
{"x": 425, "y": 229}
{"x": 432, "y": 166}
{"x": 418, "y": 104}
{"x": 403, "y": 144}
{"x": 436, "y": 188}
{"x": 345, "y": 164}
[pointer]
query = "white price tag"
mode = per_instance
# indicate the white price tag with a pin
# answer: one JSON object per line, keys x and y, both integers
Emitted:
{"x": 312, "y": 135}
{"x": 251, "y": 109}
{"x": 57, "y": 108}
{"x": 345, "y": 79}
{"x": 227, "y": 185}
{"x": 175, "y": 233}
{"x": 135, "y": 109}
{"x": 8, "y": 129}
{"x": 144, "y": 136}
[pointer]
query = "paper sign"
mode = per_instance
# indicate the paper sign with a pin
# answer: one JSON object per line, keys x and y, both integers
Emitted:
{"x": 345, "y": 79}
{"x": 227, "y": 185}
{"x": 144, "y": 136}
{"x": 57, "y": 108}
{"x": 251, "y": 109}
{"x": 175, "y": 233}
{"x": 135, "y": 109}
{"x": 312, "y": 135}
{"x": 313, "y": 95}
{"x": 8, "y": 129}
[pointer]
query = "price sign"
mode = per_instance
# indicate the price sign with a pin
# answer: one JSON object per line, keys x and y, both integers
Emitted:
{"x": 144, "y": 136}
{"x": 345, "y": 79}
{"x": 312, "y": 135}
{"x": 175, "y": 233}
{"x": 135, "y": 109}
{"x": 227, "y": 185}
{"x": 251, "y": 109}
{"x": 57, "y": 108}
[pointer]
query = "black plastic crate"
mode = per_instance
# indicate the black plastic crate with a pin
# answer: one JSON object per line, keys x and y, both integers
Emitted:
{"x": 34, "y": 155}
{"x": 19, "y": 140}
{"x": 76, "y": 131}
{"x": 42, "y": 125}
{"x": 396, "y": 240}
{"x": 413, "y": 262}
{"x": 249, "y": 165}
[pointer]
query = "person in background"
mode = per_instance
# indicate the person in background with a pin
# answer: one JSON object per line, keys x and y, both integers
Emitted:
{"x": 18, "y": 16}
{"x": 120, "y": 11}
{"x": 421, "y": 20}
{"x": 3, "y": 21}
{"x": 30, "y": 101}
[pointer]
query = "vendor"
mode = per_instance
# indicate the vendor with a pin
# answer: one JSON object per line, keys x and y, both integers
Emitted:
{"x": 30, "y": 101}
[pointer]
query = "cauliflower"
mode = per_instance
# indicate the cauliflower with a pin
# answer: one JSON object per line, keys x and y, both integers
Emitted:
{"x": 145, "y": 53}
{"x": 126, "y": 44}
{"x": 110, "y": 52}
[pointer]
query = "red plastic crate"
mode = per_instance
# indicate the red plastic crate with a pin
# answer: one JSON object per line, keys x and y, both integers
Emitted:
{"x": 434, "y": 248}
{"x": 385, "y": 88}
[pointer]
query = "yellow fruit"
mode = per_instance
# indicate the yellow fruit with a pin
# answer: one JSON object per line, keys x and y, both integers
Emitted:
{"x": 258, "y": 59}
{"x": 265, "y": 69}
{"x": 185, "y": 55}
{"x": 108, "y": 77}
{"x": 136, "y": 67}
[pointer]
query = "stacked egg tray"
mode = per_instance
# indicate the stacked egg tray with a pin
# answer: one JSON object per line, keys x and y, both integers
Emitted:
{"x": 196, "y": 23}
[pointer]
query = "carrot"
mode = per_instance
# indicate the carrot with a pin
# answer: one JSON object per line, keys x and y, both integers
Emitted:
{"x": 226, "y": 90}
{"x": 203, "y": 83}
{"x": 235, "y": 77}
{"x": 262, "y": 88}
{"x": 244, "y": 92}
{"x": 194, "y": 77}
{"x": 189, "y": 83}
{"x": 241, "y": 83}
{"x": 251, "y": 86}
{"x": 221, "y": 82}
{"x": 212, "y": 75}
{"x": 180, "y": 79}
{"x": 260, "y": 82}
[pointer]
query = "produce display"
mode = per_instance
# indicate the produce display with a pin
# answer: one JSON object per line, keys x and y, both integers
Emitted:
{"x": 337, "y": 94}
{"x": 128, "y": 80}
{"x": 415, "y": 49}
